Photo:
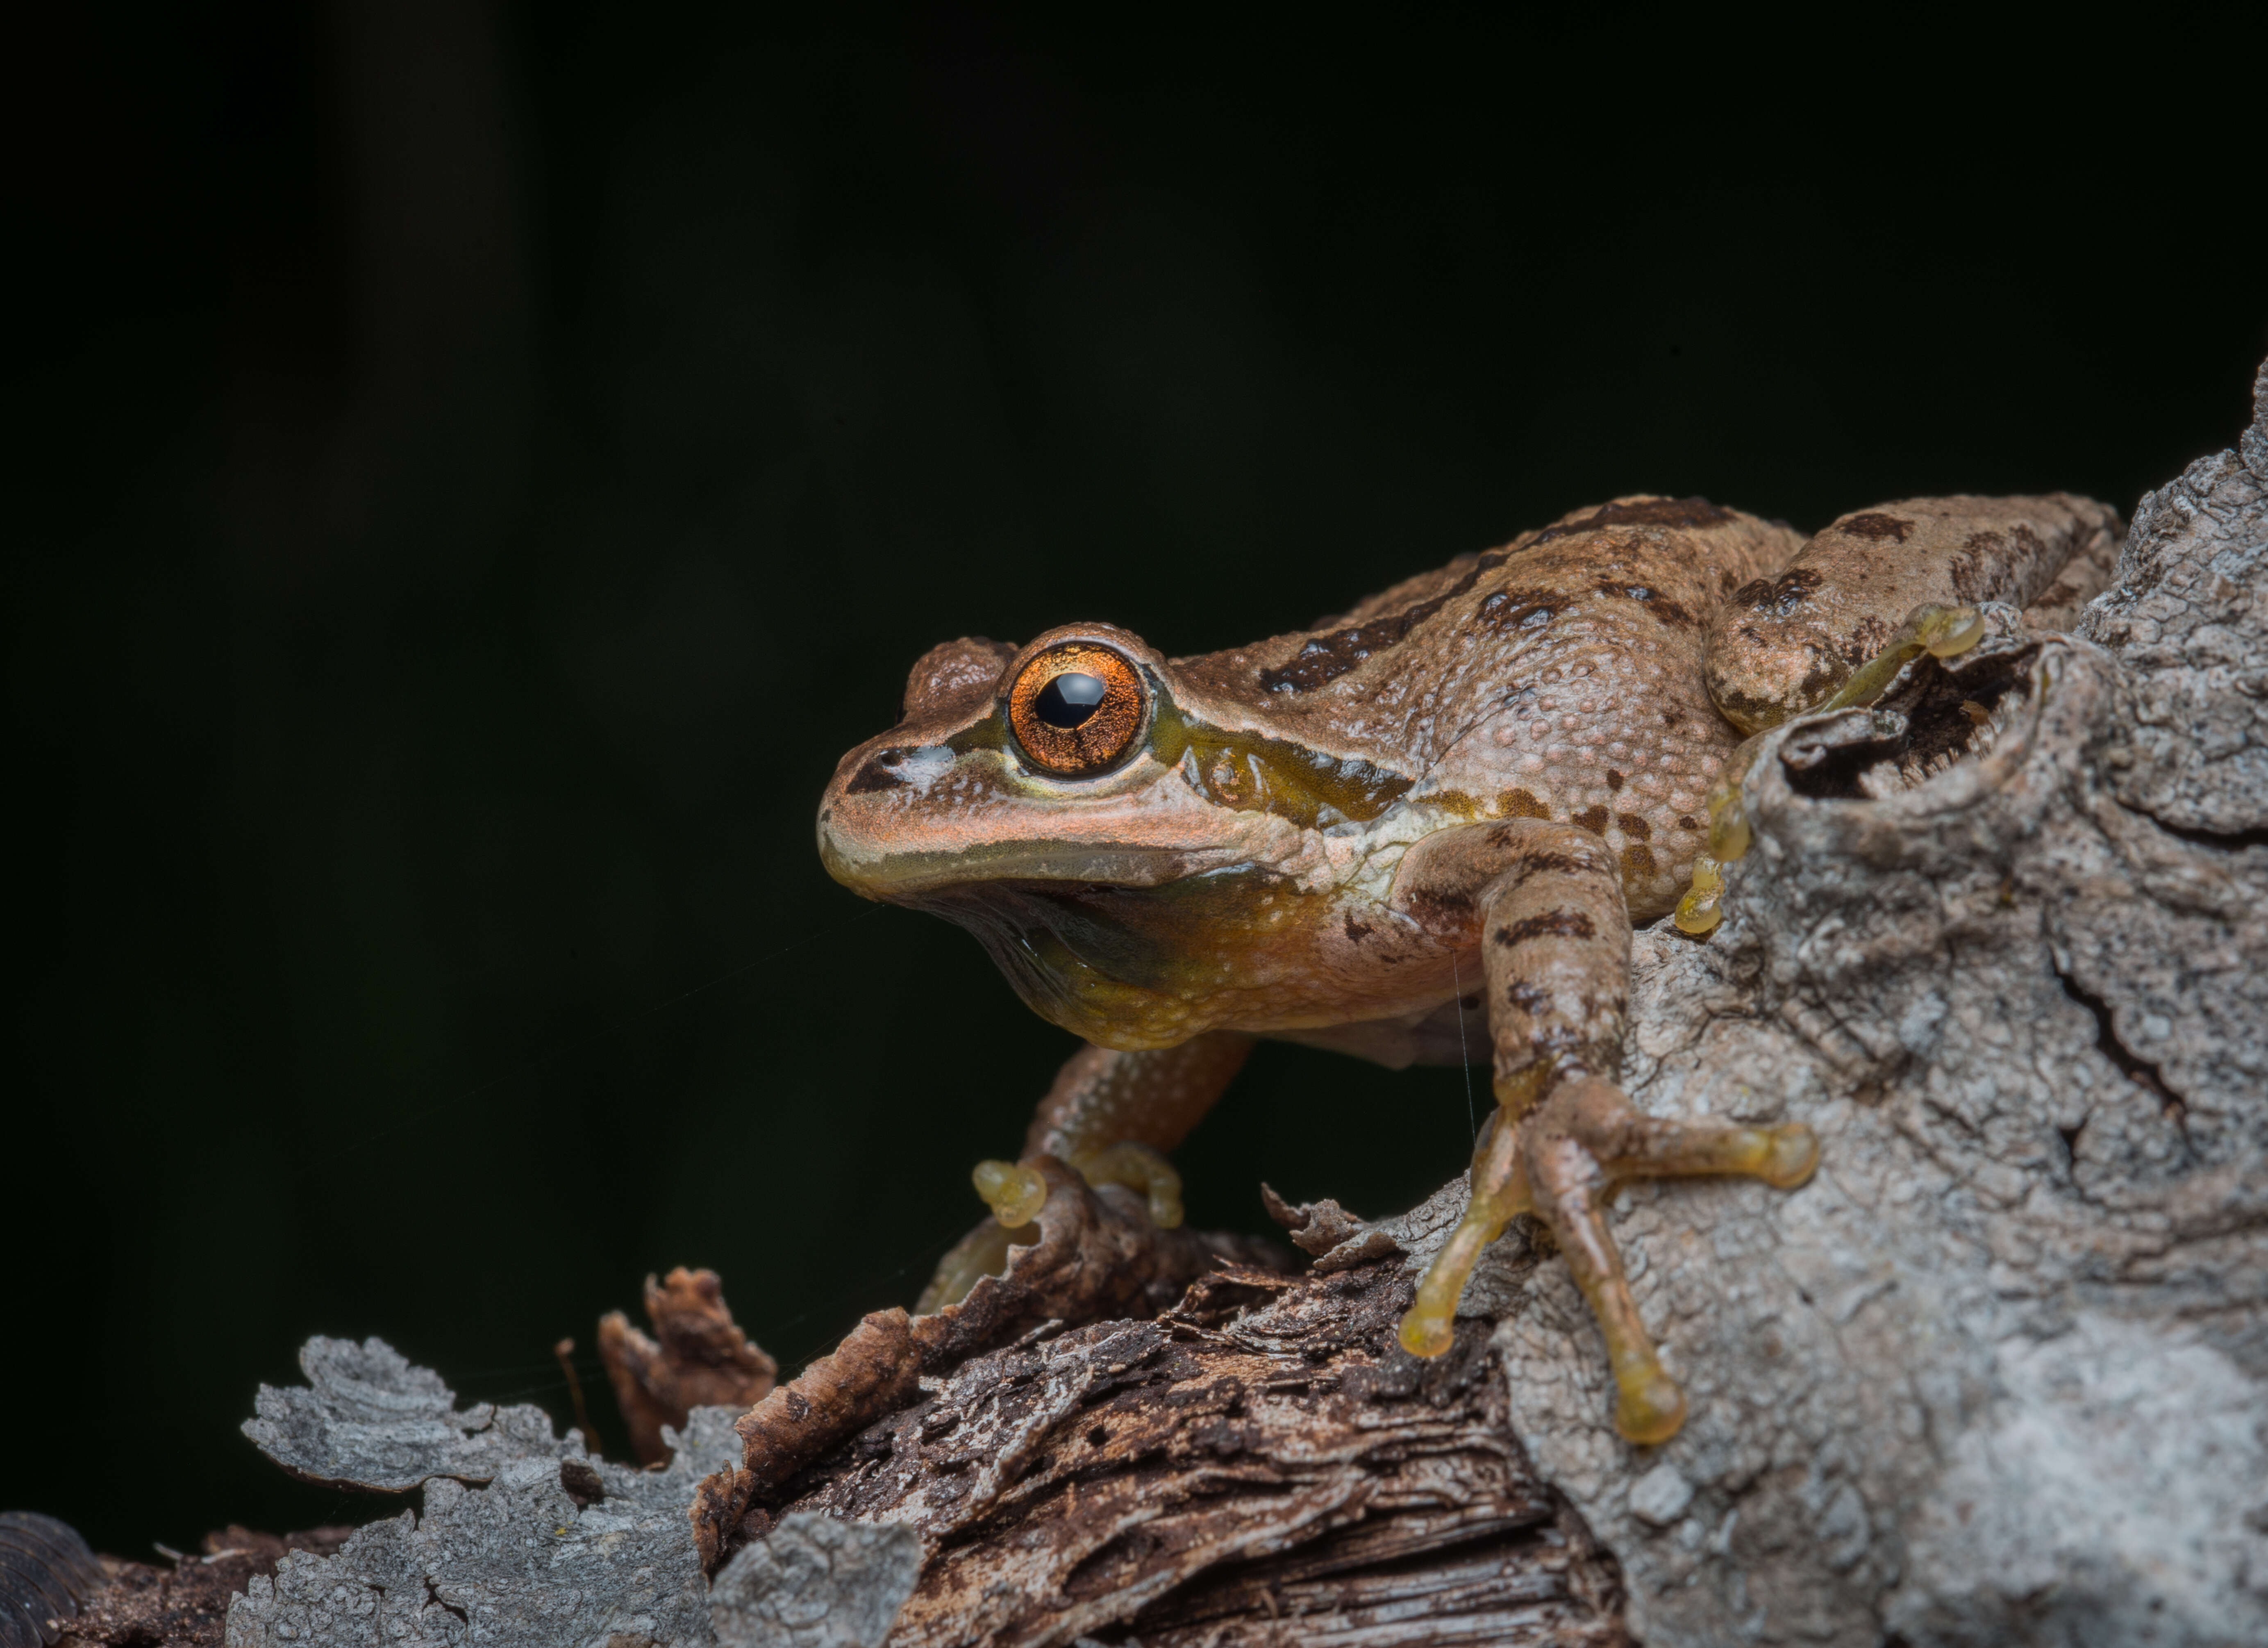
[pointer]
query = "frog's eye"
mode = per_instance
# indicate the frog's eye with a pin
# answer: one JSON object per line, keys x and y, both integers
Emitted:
{"x": 1077, "y": 709}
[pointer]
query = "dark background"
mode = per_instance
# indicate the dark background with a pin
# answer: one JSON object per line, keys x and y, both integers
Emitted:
{"x": 470, "y": 471}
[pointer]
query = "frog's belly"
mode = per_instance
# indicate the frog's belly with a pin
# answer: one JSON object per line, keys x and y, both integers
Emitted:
{"x": 1150, "y": 967}
{"x": 1455, "y": 1031}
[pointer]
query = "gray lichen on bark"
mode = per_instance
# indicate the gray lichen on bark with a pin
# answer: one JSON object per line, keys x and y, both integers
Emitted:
{"x": 817, "y": 1582}
{"x": 2000, "y": 1373}
{"x": 1997, "y": 1374}
{"x": 557, "y": 1549}
{"x": 366, "y": 1418}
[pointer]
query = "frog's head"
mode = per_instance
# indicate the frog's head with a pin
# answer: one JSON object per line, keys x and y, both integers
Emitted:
{"x": 1098, "y": 824}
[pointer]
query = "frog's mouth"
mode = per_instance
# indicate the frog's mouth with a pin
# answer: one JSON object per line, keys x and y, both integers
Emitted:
{"x": 928, "y": 880}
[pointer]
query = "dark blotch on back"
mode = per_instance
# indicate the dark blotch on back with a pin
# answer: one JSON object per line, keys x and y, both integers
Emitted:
{"x": 1506, "y": 610}
{"x": 1662, "y": 608}
{"x": 1778, "y": 597}
{"x": 1591, "y": 819}
{"x": 1551, "y": 924}
{"x": 1325, "y": 658}
{"x": 1526, "y": 997}
{"x": 1650, "y": 512}
{"x": 1638, "y": 865}
{"x": 1874, "y": 524}
{"x": 1635, "y": 827}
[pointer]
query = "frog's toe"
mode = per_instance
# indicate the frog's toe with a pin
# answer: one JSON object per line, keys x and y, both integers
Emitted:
{"x": 1702, "y": 907}
{"x": 1649, "y": 1406}
{"x": 1141, "y": 1168}
{"x": 1014, "y": 1191}
{"x": 1588, "y": 1137}
{"x": 1017, "y": 1192}
{"x": 1499, "y": 1191}
{"x": 1791, "y": 1157}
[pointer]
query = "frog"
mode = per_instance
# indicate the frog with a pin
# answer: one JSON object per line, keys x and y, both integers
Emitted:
{"x": 1438, "y": 814}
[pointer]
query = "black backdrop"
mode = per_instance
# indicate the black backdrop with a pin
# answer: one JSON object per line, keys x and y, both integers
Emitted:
{"x": 470, "y": 472}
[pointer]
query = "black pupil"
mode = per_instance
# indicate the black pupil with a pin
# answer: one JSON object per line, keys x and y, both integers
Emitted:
{"x": 1069, "y": 700}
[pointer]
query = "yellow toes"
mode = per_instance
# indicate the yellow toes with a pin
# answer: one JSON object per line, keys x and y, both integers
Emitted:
{"x": 1139, "y": 1168}
{"x": 1650, "y": 1407}
{"x": 1946, "y": 631}
{"x": 1703, "y": 906}
{"x": 1728, "y": 825}
{"x": 1427, "y": 1332}
{"x": 1793, "y": 1156}
{"x": 1015, "y": 1192}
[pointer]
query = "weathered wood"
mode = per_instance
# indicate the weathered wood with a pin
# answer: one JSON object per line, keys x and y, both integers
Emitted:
{"x": 1262, "y": 1464}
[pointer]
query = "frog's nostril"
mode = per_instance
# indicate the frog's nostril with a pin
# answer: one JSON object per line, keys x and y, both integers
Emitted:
{"x": 877, "y": 774}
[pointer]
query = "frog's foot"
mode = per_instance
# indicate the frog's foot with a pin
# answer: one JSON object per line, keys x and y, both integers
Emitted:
{"x": 1091, "y": 1254}
{"x": 1940, "y": 632}
{"x": 1016, "y": 1193}
{"x": 1563, "y": 1162}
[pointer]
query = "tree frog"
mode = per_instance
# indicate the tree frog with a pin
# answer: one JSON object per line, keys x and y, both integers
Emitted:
{"x": 1454, "y": 798}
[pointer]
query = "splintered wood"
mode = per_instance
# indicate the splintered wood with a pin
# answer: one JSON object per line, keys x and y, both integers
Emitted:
{"x": 698, "y": 1358}
{"x": 1261, "y": 1465}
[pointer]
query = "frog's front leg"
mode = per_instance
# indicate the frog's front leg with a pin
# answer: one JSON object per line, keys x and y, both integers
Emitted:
{"x": 1110, "y": 1115}
{"x": 1546, "y": 904}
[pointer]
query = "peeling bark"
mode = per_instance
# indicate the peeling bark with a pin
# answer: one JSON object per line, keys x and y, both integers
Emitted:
{"x": 698, "y": 1358}
{"x": 1266, "y": 1439}
{"x": 1997, "y": 1374}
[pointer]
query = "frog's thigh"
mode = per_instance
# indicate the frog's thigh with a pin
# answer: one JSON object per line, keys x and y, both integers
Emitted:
{"x": 1786, "y": 643}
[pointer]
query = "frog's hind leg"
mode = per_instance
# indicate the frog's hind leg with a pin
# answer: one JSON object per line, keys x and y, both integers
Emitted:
{"x": 1785, "y": 645}
{"x": 1555, "y": 939}
{"x": 1110, "y": 1115}
{"x": 1865, "y": 597}
{"x": 1585, "y": 1140}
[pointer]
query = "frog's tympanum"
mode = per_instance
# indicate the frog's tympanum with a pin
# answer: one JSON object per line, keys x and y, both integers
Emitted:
{"x": 1455, "y": 798}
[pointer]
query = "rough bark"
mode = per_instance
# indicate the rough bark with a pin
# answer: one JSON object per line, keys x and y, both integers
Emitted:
{"x": 697, "y": 1358}
{"x": 186, "y": 1605}
{"x": 1998, "y": 1374}
{"x": 1261, "y": 1465}
{"x": 1098, "y": 1254}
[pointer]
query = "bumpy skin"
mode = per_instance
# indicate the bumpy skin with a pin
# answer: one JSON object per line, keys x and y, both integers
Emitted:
{"x": 1784, "y": 644}
{"x": 1479, "y": 777}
